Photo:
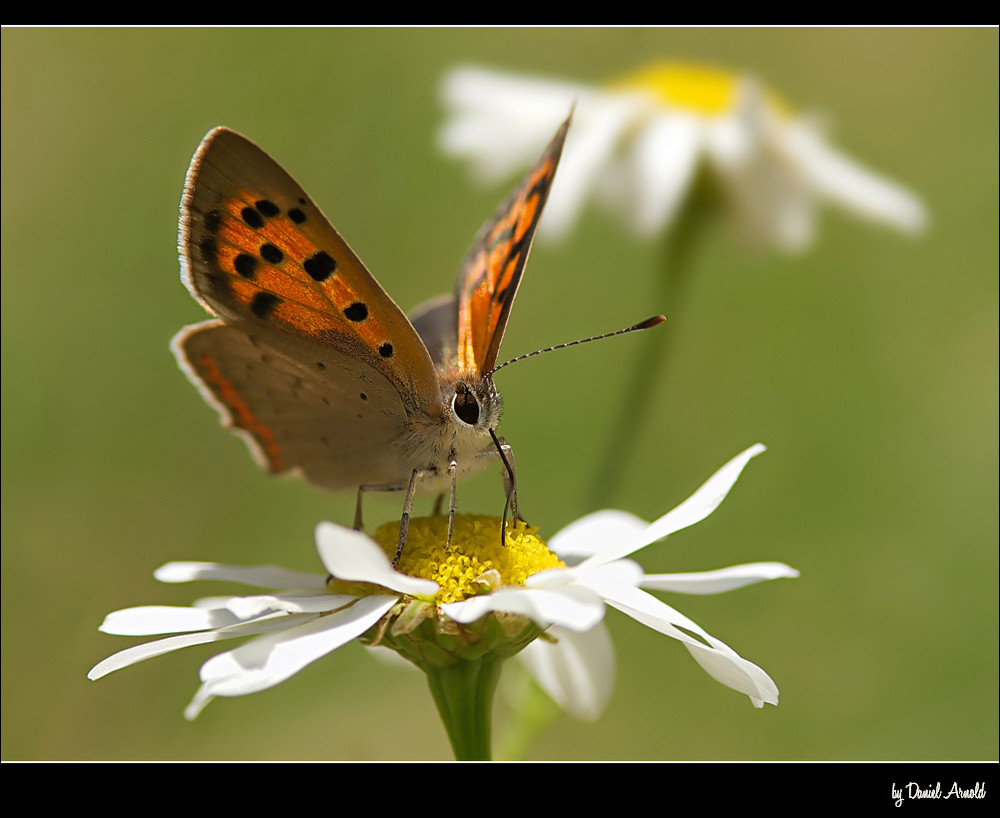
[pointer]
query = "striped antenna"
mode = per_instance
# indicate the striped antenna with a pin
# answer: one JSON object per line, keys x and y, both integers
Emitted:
{"x": 649, "y": 322}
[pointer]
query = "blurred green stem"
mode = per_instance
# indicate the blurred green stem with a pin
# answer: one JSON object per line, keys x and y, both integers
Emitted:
{"x": 650, "y": 362}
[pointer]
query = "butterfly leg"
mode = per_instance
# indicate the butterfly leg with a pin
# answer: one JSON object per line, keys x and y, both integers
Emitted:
{"x": 404, "y": 520}
{"x": 453, "y": 476}
{"x": 358, "y": 525}
{"x": 510, "y": 479}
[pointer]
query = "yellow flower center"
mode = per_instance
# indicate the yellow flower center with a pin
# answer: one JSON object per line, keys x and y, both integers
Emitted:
{"x": 701, "y": 89}
{"x": 476, "y": 562}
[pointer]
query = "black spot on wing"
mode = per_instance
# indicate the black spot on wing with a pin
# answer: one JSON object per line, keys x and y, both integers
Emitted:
{"x": 263, "y": 304}
{"x": 356, "y": 312}
{"x": 245, "y": 265}
{"x": 271, "y": 254}
{"x": 209, "y": 250}
{"x": 252, "y": 217}
{"x": 320, "y": 265}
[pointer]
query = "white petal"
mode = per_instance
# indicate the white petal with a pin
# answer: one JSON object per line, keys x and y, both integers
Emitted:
{"x": 696, "y": 508}
{"x": 577, "y": 671}
{"x": 352, "y": 555}
{"x": 665, "y": 154}
{"x": 574, "y": 607}
{"x": 734, "y": 671}
{"x": 849, "y": 184}
{"x": 788, "y": 217}
{"x": 729, "y": 144}
{"x": 643, "y": 607}
{"x": 595, "y": 533}
{"x": 248, "y": 607}
{"x": 769, "y": 198}
{"x": 771, "y": 203}
{"x": 201, "y": 698}
{"x": 715, "y": 582}
{"x": 507, "y": 97}
{"x": 271, "y": 659}
{"x": 150, "y": 619}
{"x": 705, "y": 500}
{"x": 720, "y": 661}
{"x": 210, "y": 602}
{"x": 138, "y": 653}
{"x": 501, "y": 122}
{"x": 495, "y": 152}
{"x": 264, "y": 576}
{"x": 597, "y": 577}
{"x": 599, "y": 121}
{"x": 736, "y": 140}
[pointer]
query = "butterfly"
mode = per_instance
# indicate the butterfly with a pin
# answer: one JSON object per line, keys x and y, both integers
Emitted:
{"x": 312, "y": 362}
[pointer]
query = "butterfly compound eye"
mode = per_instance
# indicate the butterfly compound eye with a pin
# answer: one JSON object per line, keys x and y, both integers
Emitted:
{"x": 465, "y": 405}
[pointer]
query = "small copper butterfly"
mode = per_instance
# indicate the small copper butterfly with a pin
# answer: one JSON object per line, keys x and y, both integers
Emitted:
{"x": 313, "y": 363}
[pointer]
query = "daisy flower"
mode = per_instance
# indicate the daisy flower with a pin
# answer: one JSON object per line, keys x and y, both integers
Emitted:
{"x": 457, "y": 613}
{"x": 638, "y": 143}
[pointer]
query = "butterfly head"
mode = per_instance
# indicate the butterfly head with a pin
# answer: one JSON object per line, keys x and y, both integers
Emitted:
{"x": 473, "y": 402}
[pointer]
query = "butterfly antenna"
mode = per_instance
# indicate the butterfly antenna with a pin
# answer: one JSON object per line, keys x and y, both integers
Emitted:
{"x": 649, "y": 322}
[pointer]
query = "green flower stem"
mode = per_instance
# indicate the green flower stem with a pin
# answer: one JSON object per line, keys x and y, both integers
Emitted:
{"x": 463, "y": 693}
{"x": 693, "y": 220}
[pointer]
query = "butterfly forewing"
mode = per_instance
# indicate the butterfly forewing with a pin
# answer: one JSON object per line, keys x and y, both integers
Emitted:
{"x": 492, "y": 269}
{"x": 258, "y": 251}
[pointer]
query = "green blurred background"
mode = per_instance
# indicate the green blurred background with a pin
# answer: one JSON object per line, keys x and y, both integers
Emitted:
{"x": 867, "y": 364}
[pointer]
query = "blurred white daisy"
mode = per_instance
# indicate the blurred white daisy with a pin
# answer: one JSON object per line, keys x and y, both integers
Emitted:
{"x": 637, "y": 144}
{"x": 475, "y": 599}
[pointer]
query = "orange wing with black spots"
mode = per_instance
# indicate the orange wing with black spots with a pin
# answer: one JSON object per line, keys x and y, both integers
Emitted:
{"x": 257, "y": 252}
{"x": 492, "y": 269}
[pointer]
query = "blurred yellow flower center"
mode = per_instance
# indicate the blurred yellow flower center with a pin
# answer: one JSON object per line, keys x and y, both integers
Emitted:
{"x": 476, "y": 562}
{"x": 701, "y": 89}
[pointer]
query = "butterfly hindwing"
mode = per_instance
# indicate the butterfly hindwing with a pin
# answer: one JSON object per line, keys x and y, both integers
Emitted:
{"x": 314, "y": 410}
{"x": 491, "y": 271}
{"x": 436, "y": 321}
{"x": 256, "y": 250}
